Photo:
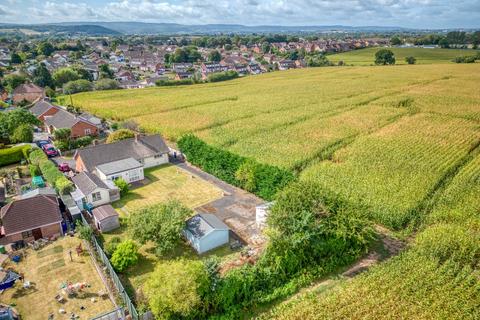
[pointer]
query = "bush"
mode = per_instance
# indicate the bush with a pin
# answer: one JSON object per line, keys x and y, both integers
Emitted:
{"x": 465, "y": 59}
{"x": 81, "y": 142}
{"x": 76, "y": 86}
{"x": 51, "y": 173}
{"x": 112, "y": 245}
{"x": 125, "y": 255}
{"x": 14, "y": 155}
{"x": 34, "y": 170}
{"x": 170, "y": 83}
{"x": 106, "y": 84}
{"x": 37, "y": 156}
{"x": 84, "y": 231}
{"x": 119, "y": 135}
{"x": 122, "y": 185}
{"x": 63, "y": 185}
{"x": 222, "y": 76}
{"x": 23, "y": 133}
{"x": 262, "y": 179}
{"x": 410, "y": 60}
{"x": 175, "y": 290}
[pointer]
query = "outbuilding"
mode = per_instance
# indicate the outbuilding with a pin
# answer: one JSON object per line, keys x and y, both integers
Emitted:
{"x": 205, "y": 232}
{"x": 105, "y": 218}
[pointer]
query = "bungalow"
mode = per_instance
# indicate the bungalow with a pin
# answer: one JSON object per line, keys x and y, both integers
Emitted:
{"x": 91, "y": 190}
{"x": 149, "y": 151}
{"x": 63, "y": 119}
{"x": 205, "y": 232}
{"x": 105, "y": 218}
{"x": 42, "y": 109}
{"x": 31, "y": 219}
{"x": 27, "y": 92}
{"x": 129, "y": 169}
{"x": 286, "y": 64}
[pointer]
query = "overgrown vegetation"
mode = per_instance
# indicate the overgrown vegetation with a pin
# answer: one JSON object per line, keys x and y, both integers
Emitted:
{"x": 119, "y": 135}
{"x": 125, "y": 255}
{"x": 50, "y": 172}
{"x": 14, "y": 155}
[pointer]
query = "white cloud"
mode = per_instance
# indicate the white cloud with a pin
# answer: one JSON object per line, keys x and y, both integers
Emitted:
{"x": 411, "y": 13}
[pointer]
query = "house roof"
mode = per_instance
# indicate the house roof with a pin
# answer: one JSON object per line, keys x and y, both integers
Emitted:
{"x": 119, "y": 166}
{"x": 202, "y": 224}
{"x": 40, "y": 191}
{"x": 136, "y": 148}
{"x": 64, "y": 119}
{"x": 41, "y": 107}
{"x": 27, "y": 88}
{"x": 104, "y": 212}
{"x": 87, "y": 182}
{"x": 27, "y": 214}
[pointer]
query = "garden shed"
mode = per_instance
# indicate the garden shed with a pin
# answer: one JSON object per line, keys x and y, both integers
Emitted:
{"x": 105, "y": 218}
{"x": 37, "y": 182}
{"x": 205, "y": 232}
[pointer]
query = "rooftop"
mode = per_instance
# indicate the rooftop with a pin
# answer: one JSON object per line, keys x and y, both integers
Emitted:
{"x": 119, "y": 166}
{"x": 202, "y": 224}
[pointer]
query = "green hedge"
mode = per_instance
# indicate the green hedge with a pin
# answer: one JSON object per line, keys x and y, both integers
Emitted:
{"x": 222, "y": 76}
{"x": 37, "y": 156}
{"x": 50, "y": 171}
{"x": 262, "y": 179}
{"x": 14, "y": 155}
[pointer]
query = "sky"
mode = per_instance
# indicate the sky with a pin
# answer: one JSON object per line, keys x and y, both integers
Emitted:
{"x": 404, "y": 13}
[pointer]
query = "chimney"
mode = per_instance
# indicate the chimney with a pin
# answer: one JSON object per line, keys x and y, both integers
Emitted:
{"x": 136, "y": 137}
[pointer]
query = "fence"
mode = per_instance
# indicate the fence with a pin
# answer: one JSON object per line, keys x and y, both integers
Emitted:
{"x": 113, "y": 275}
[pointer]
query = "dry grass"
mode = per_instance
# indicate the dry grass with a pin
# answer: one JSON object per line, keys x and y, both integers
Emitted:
{"x": 47, "y": 269}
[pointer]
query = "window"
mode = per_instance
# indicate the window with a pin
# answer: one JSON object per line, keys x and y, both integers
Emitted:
{"x": 157, "y": 156}
{"x": 133, "y": 175}
{"x": 27, "y": 234}
{"x": 96, "y": 196}
{"x": 88, "y": 131}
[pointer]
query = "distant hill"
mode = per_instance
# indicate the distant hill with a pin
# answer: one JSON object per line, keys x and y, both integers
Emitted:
{"x": 59, "y": 29}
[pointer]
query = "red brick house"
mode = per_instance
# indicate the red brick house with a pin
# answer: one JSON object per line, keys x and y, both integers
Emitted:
{"x": 28, "y": 92}
{"x": 62, "y": 119}
{"x": 31, "y": 219}
{"x": 42, "y": 109}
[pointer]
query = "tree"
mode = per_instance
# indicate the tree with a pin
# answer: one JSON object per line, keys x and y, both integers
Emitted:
{"x": 175, "y": 289}
{"x": 410, "y": 60}
{"x": 45, "y": 48}
{"x": 83, "y": 73}
{"x": 65, "y": 75}
{"x": 107, "y": 84}
{"x": 63, "y": 185}
{"x": 125, "y": 255}
{"x": 62, "y": 134}
{"x": 122, "y": 185}
{"x": 9, "y": 121}
{"x": 293, "y": 55}
{"x": 84, "y": 231}
{"x": 15, "y": 58}
{"x": 265, "y": 47}
{"x": 119, "y": 135}
{"x": 396, "y": 41}
{"x": 112, "y": 245}
{"x": 384, "y": 57}
{"x": 105, "y": 72}
{"x": 160, "y": 223}
{"x": 22, "y": 133}
{"x": 214, "y": 56}
{"x": 444, "y": 43}
{"x": 13, "y": 80}
{"x": 42, "y": 77}
{"x": 76, "y": 86}
{"x": 246, "y": 174}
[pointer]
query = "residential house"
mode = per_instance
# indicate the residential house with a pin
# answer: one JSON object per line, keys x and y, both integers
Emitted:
{"x": 205, "y": 232}
{"x": 105, "y": 218}
{"x": 212, "y": 67}
{"x": 182, "y": 67}
{"x": 92, "y": 119}
{"x": 63, "y": 119}
{"x": 254, "y": 68}
{"x": 28, "y": 92}
{"x": 286, "y": 64}
{"x": 183, "y": 75}
{"x": 43, "y": 108}
{"x": 31, "y": 219}
{"x": 92, "y": 191}
{"x": 150, "y": 151}
{"x": 129, "y": 169}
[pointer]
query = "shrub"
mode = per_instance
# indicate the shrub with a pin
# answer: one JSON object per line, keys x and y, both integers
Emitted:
{"x": 50, "y": 172}
{"x": 122, "y": 185}
{"x": 84, "y": 231}
{"x": 34, "y": 170}
{"x": 169, "y": 83}
{"x": 119, "y": 135}
{"x": 176, "y": 288}
{"x": 76, "y": 86}
{"x": 410, "y": 60}
{"x": 63, "y": 185}
{"x": 106, "y": 84}
{"x": 112, "y": 245}
{"x": 37, "y": 156}
{"x": 222, "y": 76}
{"x": 125, "y": 255}
{"x": 23, "y": 133}
{"x": 465, "y": 59}
{"x": 160, "y": 223}
{"x": 81, "y": 142}
{"x": 261, "y": 179}
{"x": 14, "y": 155}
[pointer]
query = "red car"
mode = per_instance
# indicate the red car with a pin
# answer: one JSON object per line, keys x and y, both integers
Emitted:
{"x": 63, "y": 167}
{"x": 50, "y": 150}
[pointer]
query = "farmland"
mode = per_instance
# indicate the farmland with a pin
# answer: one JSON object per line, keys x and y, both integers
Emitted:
{"x": 424, "y": 56}
{"x": 402, "y": 142}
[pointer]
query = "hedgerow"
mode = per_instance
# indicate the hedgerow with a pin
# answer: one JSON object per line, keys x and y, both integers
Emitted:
{"x": 262, "y": 179}
{"x": 50, "y": 171}
{"x": 14, "y": 155}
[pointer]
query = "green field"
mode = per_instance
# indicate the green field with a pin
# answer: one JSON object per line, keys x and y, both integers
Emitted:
{"x": 402, "y": 142}
{"x": 424, "y": 56}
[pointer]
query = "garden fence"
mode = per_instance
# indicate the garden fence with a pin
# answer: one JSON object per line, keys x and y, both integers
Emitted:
{"x": 113, "y": 275}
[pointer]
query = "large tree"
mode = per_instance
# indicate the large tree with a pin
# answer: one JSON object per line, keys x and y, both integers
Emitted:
{"x": 11, "y": 81}
{"x": 81, "y": 85}
{"x": 384, "y": 57}
{"x": 214, "y": 56}
{"x": 45, "y": 48}
{"x": 65, "y": 75}
{"x": 10, "y": 121}
{"x": 160, "y": 223}
{"x": 42, "y": 77}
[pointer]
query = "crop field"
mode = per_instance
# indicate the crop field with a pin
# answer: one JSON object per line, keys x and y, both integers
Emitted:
{"x": 366, "y": 56}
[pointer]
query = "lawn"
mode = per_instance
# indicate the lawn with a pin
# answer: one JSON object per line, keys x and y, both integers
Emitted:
{"x": 169, "y": 182}
{"x": 423, "y": 55}
{"x": 47, "y": 269}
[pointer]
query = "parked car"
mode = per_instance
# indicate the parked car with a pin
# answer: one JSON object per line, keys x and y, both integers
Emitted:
{"x": 50, "y": 150}
{"x": 41, "y": 143}
{"x": 64, "y": 167}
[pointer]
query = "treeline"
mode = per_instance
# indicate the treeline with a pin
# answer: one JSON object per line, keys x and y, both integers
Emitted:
{"x": 452, "y": 38}
{"x": 214, "y": 77}
{"x": 40, "y": 163}
{"x": 262, "y": 179}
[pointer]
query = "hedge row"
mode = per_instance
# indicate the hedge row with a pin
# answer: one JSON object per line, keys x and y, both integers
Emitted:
{"x": 262, "y": 179}
{"x": 50, "y": 172}
{"x": 14, "y": 155}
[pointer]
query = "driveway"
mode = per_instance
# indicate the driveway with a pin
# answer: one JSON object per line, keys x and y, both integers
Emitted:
{"x": 236, "y": 208}
{"x": 58, "y": 160}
